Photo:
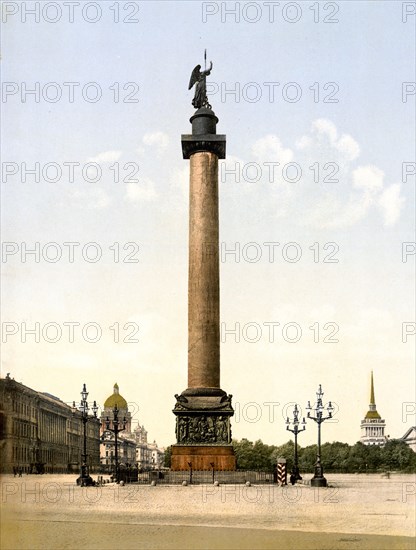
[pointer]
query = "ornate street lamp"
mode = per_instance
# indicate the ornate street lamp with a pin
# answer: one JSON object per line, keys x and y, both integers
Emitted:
{"x": 116, "y": 429}
{"x": 318, "y": 479}
{"x": 295, "y": 475}
{"x": 85, "y": 478}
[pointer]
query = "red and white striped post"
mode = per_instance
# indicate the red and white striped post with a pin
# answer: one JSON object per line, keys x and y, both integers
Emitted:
{"x": 281, "y": 471}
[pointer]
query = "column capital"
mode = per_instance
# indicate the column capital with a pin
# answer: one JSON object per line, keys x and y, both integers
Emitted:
{"x": 212, "y": 143}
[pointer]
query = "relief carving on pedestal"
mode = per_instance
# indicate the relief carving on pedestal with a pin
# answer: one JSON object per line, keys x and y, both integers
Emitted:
{"x": 203, "y": 429}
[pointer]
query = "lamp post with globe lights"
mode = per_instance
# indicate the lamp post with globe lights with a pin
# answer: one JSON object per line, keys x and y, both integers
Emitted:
{"x": 318, "y": 479}
{"x": 84, "y": 478}
{"x": 295, "y": 475}
{"x": 116, "y": 429}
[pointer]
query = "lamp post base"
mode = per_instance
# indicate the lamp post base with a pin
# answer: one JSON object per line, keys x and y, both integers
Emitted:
{"x": 295, "y": 475}
{"x": 318, "y": 482}
{"x": 318, "y": 479}
{"x": 85, "y": 480}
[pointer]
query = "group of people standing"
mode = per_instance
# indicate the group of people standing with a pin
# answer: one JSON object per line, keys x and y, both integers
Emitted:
{"x": 17, "y": 471}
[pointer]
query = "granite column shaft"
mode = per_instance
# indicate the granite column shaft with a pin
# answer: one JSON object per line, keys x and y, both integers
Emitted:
{"x": 203, "y": 283}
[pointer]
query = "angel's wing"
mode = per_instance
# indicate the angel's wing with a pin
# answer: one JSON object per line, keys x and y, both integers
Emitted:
{"x": 194, "y": 76}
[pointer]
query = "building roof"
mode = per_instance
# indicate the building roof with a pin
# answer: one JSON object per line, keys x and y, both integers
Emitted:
{"x": 407, "y": 434}
{"x": 372, "y": 415}
{"x": 44, "y": 397}
{"x": 115, "y": 399}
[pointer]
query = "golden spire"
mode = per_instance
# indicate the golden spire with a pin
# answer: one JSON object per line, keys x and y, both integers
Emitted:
{"x": 372, "y": 412}
{"x": 372, "y": 400}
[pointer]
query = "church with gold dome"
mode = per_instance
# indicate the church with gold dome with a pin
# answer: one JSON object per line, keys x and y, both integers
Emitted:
{"x": 116, "y": 399}
{"x": 132, "y": 446}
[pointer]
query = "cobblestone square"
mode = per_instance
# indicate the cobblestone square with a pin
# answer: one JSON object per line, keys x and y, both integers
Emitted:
{"x": 355, "y": 512}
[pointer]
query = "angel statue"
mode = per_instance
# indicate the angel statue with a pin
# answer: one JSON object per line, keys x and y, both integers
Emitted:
{"x": 200, "y": 78}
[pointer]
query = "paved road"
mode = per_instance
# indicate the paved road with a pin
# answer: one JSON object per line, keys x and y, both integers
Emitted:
{"x": 50, "y": 512}
{"x": 100, "y": 535}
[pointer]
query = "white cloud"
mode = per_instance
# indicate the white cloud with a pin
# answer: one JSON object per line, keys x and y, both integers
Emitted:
{"x": 106, "y": 156}
{"x": 230, "y": 170}
{"x": 159, "y": 139}
{"x": 354, "y": 211}
{"x": 144, "y": 191}
{"x": 391, "y": 203}
{"x": 330, "y": 211}
{"x": 348, "y": 146}
{"x": 303, "y": 143}
{"x": 325, "y": 134}
{"x": 270, "y": 148}
{"x": 350, "y": 199}
{"x": 180, "y": 180}
{"x": 341, "y": 196}
{"x": 368, "y": 178}
{"x": 94, "y": 198}
{"x": 325, "y": 127}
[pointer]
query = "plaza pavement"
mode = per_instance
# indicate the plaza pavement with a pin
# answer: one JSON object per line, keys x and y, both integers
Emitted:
{"x": 356, "y": 512}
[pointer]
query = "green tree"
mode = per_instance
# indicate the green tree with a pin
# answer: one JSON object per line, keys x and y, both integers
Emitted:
{"x": 168, "y": 455}
{"x": 396, "y": 455}
{"x": 334, "y": 455}
{"x": 287, "y": 451}
{"x": 374, "y": 458}
{"x": 257, "y": 456}
{"x": 263, "y": 455}
{"x": 357, "y": 458}
{"x": 244, "y": 454}
{"x": 307, "y": 458}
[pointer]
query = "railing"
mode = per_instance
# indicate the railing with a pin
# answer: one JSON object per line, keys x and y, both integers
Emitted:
{"x": 204, "y": 477}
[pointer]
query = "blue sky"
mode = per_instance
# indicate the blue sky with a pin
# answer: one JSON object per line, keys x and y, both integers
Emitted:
{"x": 368, "y": 213}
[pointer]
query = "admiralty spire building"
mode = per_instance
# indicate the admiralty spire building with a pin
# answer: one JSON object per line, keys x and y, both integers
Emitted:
{"x": 373, "y": 426}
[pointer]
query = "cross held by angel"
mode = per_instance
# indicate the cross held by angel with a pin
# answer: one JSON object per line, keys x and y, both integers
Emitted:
{"x": 199, "y": 78}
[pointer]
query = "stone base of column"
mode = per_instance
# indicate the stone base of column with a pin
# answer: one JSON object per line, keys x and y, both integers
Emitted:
{"x": 206, "y": 457}
{"x": 203, "y": 430}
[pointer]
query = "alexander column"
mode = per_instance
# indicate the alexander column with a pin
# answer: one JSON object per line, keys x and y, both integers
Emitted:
{"x": 203, "y": 410}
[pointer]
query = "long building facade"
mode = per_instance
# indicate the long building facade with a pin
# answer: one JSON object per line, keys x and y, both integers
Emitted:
{"x": 39, "y": 433}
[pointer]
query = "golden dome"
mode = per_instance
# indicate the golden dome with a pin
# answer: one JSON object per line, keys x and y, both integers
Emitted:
{"x": 115, "y": 399}
{"x": 372, "y": 415}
